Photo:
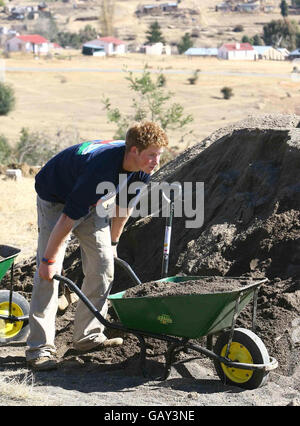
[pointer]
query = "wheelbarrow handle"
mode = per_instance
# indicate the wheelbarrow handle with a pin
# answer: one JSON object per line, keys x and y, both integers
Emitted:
{"x": 128, "y": 269}
{"x": 73, "y": 287}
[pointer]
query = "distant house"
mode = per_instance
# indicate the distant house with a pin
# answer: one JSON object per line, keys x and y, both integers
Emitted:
{"x": 157, "y": 9}
{"x": 169, "y": 7}
{"x": 285, "y": 53}
{"x": 148, "y": 9}
{"x": 248, "y": 7}
{"x": 268, "y": 53}
{"x": 156, "y": 49}
{"x": 55, "y": 46}
{"x": 223, "y": 7}
{"x": 295, "y": 54}
{"x": 236, "y": 51}
{"x": 202, "y": 51}
{"x": 104, "y": 46}
{"x": 93, "y": 48}
{"x": 269, "y": 8}
{"x": 33, "y": 43}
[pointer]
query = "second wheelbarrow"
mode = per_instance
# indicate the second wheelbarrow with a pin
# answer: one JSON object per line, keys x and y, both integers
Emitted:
{"x": 14, "y": 308}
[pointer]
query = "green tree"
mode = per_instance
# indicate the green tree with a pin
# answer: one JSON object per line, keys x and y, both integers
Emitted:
{"x": 5, "y": 150}
{"x": 281, "y": 33}
{"x": 151, "y": 101}
{"x": 257, "y": 40}
{"x": 154, "y": 34}
{"x": 185, "y": 43}
{"x": 7, "y": 99}
{"x": 68, "y": 39}
{"x": 246, "y": 39}
{"x": 88, "y": 33}
{"x": 284, "y": 8}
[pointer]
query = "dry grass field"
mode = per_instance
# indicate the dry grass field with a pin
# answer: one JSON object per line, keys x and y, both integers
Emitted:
{"x": 54, "y": 99}
{"x": 18, "y": 215}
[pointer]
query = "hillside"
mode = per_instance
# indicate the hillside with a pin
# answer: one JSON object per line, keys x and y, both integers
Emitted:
{"x": 208, "y": 26}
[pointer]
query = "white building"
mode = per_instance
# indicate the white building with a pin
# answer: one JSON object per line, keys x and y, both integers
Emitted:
{"x": 33, "y": 43}
{"x": 237, "y": 51}
{"x": 202, "y": 51}
{"x": 104, "y": 45}
{"x": 156, "y": 49}
{"x": 248, "y": 7}
{"x": 269, "y": 53}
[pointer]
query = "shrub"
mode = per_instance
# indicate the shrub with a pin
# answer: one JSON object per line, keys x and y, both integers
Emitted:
{"x": 193, "y": 80}
{"x": 227, "y": 92}
{"x": 185, "y": 43}
{"x": 5, "y": 150}
{"x": 7, "y": 99}
{"x": 238, "y": 28}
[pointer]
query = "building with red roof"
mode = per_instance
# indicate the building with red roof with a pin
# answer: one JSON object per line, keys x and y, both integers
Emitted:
{"x": 237, "y": 51}
{"x": 104, "y": 46}
{"x": 33, "y": 43}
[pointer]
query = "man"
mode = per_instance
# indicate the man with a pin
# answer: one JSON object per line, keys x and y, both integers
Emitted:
{"x": 69, "y": 191}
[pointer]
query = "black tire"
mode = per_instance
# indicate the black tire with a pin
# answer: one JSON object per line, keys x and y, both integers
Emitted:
{"x": 17, "y": 331}
{"x": 246, "y": 347}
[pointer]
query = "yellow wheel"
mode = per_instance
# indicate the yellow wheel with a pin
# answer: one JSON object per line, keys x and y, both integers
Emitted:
{"x": 247, "y": 348}
{"x": 17, "y": 330}
{"x": 238, "y": 353}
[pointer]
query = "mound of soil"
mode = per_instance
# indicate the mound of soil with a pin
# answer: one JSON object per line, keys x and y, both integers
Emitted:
{"x": 251, "y": 229}
{"x": 202, "y": 286}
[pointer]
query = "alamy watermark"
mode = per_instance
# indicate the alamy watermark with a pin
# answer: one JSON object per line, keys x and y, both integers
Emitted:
{"x": 154, "y": 200}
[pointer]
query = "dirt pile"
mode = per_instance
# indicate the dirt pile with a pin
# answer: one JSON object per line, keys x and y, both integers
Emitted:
{"x": 201, "y": 286}
{"x": 251, "y": 223}
{"x": 251, "y": 228}
{"x": 251, "y": 210}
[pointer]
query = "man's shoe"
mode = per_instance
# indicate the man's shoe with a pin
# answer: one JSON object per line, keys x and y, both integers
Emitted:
{"x": 43, "y": 363}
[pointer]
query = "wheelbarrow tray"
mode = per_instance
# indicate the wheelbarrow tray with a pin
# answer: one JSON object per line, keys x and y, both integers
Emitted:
{"x": 7, "y": 257}
{"x": 189, "y": 316}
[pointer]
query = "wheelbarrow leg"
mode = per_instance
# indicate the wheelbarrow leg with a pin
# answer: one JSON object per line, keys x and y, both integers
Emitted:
{"x": 170, "y": 355}
{"x": 142, "y": 354}
{"x": 169, "y": 360}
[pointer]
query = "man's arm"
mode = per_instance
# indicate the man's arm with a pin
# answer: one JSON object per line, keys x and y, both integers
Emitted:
{"x": 118, "y": 222}
{"x": 57, "y": 237}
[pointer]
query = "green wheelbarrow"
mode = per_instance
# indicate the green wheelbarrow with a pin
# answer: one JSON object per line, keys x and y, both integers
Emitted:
{"x": 14, "y": 308}
{"x": 239, "y": 355}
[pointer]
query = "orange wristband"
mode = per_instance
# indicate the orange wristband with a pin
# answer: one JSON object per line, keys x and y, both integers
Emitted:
{"x": 48, "y": 261}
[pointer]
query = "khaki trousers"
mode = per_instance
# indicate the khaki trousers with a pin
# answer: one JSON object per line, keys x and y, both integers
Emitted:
{"x": 93, "y": 233}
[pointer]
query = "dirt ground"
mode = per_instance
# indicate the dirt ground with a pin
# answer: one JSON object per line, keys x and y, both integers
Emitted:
{"x": 250, "y": 230}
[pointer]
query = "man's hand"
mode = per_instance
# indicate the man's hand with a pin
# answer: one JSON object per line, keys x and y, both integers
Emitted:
{"x": 46, "y": 272}
{"x": 56, "y": 240}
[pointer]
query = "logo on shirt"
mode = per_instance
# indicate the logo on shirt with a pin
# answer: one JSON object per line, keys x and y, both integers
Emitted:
{"x": 91, "y": 146}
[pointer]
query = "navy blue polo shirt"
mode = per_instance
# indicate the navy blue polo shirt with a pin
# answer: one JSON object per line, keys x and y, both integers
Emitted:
{"x": 71, "y": 177}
